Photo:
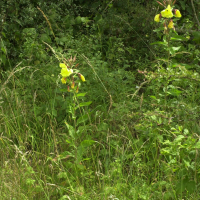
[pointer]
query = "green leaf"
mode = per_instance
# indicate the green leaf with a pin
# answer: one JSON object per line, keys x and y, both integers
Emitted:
{"x": 81, "y": 94}
{"x": 174, "y": 92}
{"x": 178, "y": 38}
{"x": 45, "y": 38}
{"x": 182, "y": 4}
{"x": 82, "y": 119}
{"x": 85, "y": 19}
{"x": 179, "y": 138}
{"x": 83, "y": 104}
{"x": 103, "y": 126}
{"x": 176, "y": 48}
{"x": 158, "y": 29}
{"x": 68, "y": 141}
{"x": 82, "y": 129}
{"x": 196, "y": 35}
{"x": 172, "y": 50}
{"x": 78, "y": 20}
{"x": 197, "y": 145}
{"x": 54, "y": 112}
{"x": 190, "y": 186}
{"x": 71, "y": 130}
{"x": 87, "y": 143}
{"x": 186, "y": 184}
{"x": 153, "y": 97}
{"x": 161, "y": 43}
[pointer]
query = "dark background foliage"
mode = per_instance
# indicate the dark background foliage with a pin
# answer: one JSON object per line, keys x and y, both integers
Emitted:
{"x": 128, "y": 23}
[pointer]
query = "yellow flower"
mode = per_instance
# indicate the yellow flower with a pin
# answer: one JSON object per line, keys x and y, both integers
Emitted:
{"x": 64, "y": 80}
{"x": 177, "y": 13}
{"x": 65, "y": 72}
{"x": 81, "y": 77}
{"x": 62, "y": 65}
{"x": 171, "y": 24}
{"x": 167, "y": 13}
{"x": 157, "y": 18}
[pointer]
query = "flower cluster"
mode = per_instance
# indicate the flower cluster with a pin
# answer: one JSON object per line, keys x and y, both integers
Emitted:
{"x": 168, "y": 13}
{"x": 65, "y": 72}
{"x": 69, "y": 76}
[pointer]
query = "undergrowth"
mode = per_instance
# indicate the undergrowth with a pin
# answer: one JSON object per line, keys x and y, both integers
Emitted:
{"x": 114, "y": 133}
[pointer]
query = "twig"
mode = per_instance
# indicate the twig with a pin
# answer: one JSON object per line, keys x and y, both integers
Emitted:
{"x": 195, "y": 14}
{"x": 138, "y": 89}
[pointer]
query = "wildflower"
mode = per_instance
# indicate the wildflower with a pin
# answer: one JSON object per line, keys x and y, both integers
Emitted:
{"x": 171, "y": 24}
{"x": 167, "y": 13}
{"x": 177, "y": 13}
{"x": 157, "y": 18}
{"x": 73, "y": 84}
{"x": 81, "y": 77}
{"x": 65, "y": 72}
{"x": 62, "y": 65}
{"x": 63, "y": 80}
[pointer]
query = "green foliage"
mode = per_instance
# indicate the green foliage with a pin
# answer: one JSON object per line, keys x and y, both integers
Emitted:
{"x": 132, "y": 130}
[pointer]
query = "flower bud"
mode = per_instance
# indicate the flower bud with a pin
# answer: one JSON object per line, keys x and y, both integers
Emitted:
{"x": 77, "y": 89}
{"x": 165, "y": 29}
{"x": 68, "y": 88}
{"x": 81, "y": 77}
{"x": 73, "y": 84}
{"x": 177, "y": 13}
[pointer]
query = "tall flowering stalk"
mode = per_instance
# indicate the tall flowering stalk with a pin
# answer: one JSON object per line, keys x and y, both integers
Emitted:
{"x": 71, "y": 78}
{"x": 166, "y": 18}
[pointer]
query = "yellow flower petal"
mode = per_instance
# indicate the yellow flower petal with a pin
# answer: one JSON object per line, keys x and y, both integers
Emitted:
{"x": 64, "y": 80}
{"x": 62, "y": 65}
{"x": 65, "y": 72}
{"x": 157, "y": 18}
{"x": 167, "y": 13}
{"x": 177, "y": 13}
{"x": 171, "y": 24}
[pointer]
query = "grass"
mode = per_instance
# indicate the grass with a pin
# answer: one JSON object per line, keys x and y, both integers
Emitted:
{"x": 125, "y": 145}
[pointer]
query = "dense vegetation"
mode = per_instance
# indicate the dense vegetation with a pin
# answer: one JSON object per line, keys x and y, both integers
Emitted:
{"x": 125, "y": 123}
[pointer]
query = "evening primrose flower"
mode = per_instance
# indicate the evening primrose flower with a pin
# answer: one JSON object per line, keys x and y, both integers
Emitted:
{"x": 62, "y": 65}
{"x": 177, "y": 13}
{"x": 167, "y": 13}
{"x": 65, "y": 72}
{"x": 157, "y": 18}
{"x": 64, "y": 80}
{"x": 171, "y": 24}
